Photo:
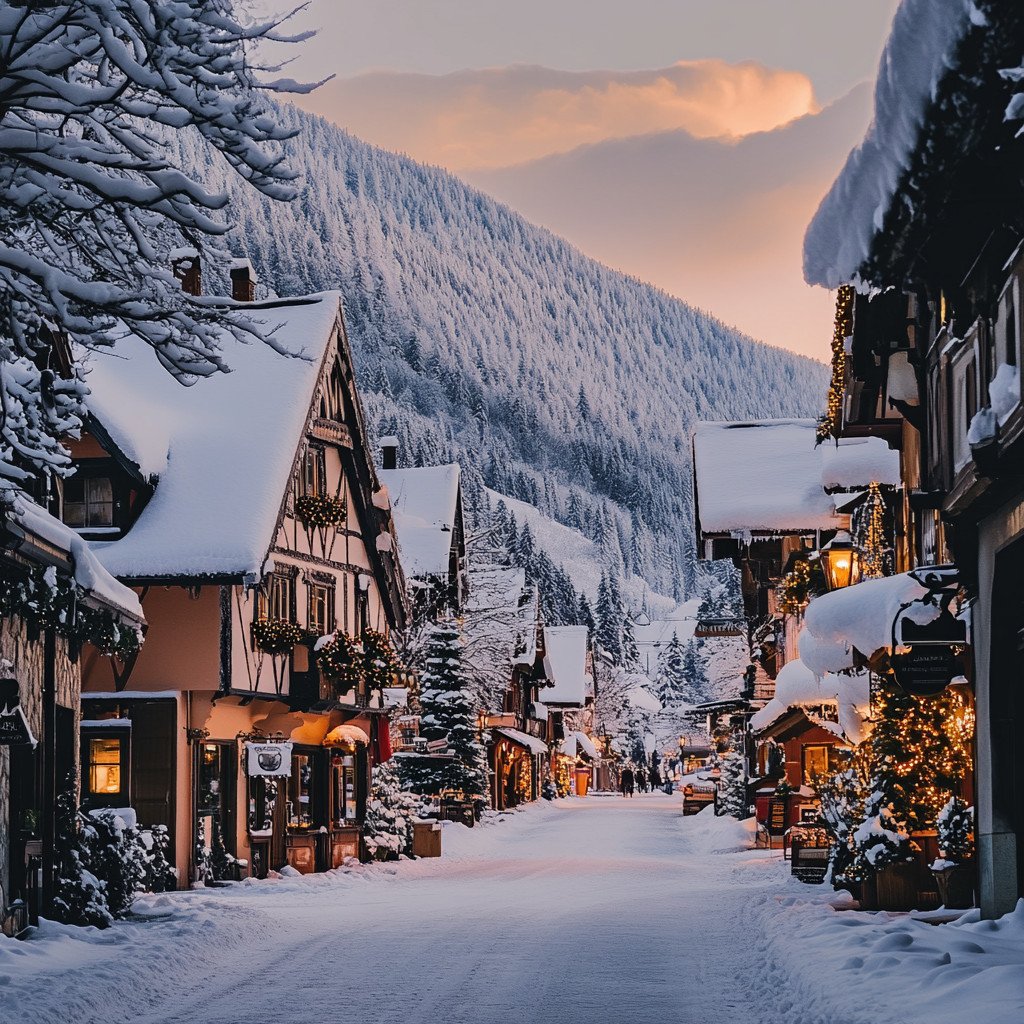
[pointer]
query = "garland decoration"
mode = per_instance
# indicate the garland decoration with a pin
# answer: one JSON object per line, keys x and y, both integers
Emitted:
{"x": 321, "y": 510}
{"x": 276, "y": 636}
{"x": 869, "y": 535}
{"x": 379, "y": 661}
{"x": 795, "y": 590}
{"x": 45, "y": 600}
{"x": 340, "y": 660}
{"x": 829, "y": 424}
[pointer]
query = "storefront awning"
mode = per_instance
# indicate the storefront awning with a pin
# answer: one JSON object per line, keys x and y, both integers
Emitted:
{"x": 531, "y": 743}
{"x": 579, "y": 743}
{"x": 345, "y": 736}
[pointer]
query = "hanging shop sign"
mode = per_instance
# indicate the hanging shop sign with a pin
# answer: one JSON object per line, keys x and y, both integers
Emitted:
{"x": 14, "y": 730}
{"x": 269, "y": 759}
{"x": 776, "y": 821}
{"x": 926, "y": 646}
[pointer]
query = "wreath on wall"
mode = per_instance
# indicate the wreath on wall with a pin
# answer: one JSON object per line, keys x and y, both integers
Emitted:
{"x": 276, "y": 636}
{"x": 321, "y": 510}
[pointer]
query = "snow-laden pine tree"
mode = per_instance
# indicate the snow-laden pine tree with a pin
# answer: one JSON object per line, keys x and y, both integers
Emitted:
{"x": 389, "y": 813}
{"x": 92, "y": 208}
{"x": 732, "y": 786}
{"x": 447, "y": 712}
{"x": 671, "y": 684}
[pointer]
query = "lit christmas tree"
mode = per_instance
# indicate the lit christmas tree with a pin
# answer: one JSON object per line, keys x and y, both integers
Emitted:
{"x": 448, "y": 713}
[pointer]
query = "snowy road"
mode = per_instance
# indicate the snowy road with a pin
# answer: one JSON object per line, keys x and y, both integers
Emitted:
{"x": 596, "y": 911}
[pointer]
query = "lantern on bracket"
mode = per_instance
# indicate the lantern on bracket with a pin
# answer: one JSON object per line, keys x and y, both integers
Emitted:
{"x": 840, "y": 562}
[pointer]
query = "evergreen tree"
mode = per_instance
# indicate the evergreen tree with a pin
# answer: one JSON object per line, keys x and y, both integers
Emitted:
{"x": 732, "y": 786}
{"x": 389, "y": 813}
{"x": 672, "y": 679}
{"x": 448, "y": 713}
{"x": 585, "y": 614}
{"x": 609, "y": 619}
{"x": 695, "y": 672}
{"x": 630, "y": 652}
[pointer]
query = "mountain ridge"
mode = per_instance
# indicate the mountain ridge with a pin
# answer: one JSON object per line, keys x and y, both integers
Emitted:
{"x": 481, "y": 338}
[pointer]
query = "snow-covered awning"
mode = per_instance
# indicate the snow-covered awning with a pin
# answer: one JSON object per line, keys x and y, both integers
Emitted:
{"x": 539, "y": 711}
{"x": 89, "y": 574}
{"x": 575, "y": 743}
{"x": 858, "y": 461}
{"x": 920, "y": 48}
{"x": 763, "y": 476}
{"x": 859, "y": 617}
{"x": 531, "y": 743}
{"x": 795, "y": 686}
{"x": 345, "y": 736}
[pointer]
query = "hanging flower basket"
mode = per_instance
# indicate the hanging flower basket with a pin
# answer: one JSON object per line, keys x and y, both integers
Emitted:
{"x": 340, "y": 660}
{"x": 276, "y": 636}
{"x": 320, "y": 510}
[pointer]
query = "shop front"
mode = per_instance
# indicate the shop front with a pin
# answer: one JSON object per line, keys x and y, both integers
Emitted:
{"x": 516, "y": 762}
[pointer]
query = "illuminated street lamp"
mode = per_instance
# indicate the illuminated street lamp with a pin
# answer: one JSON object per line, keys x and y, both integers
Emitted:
{"x": 840, "y": 562}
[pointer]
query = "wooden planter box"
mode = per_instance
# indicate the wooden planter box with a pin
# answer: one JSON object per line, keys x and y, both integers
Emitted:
{"x": 896, "y": 887}
{"x": 300, "y": 852}
{"x": 344, "y": 843}
{"x": 426, "y": 839}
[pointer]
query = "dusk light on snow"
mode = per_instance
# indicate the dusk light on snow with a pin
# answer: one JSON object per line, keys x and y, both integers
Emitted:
{"x": 512, "y": 512}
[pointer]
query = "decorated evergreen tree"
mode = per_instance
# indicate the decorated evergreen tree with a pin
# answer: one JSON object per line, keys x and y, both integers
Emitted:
{"x": 389, "y": 813}
{"x": 447, "y": 713}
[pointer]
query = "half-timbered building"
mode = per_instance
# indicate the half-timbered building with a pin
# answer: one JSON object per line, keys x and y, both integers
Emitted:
{"x": 246, "y": 512}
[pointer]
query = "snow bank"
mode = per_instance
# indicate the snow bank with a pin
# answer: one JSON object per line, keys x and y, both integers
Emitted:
{"x": 893, "y": 967}
{"x": 920, "y": 47}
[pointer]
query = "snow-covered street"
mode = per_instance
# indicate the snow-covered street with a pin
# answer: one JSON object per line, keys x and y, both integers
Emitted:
{"x": 595, "y": 910}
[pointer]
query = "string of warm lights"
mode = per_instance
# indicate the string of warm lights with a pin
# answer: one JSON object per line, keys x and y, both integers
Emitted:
{"x": 830, "y": 423}
{"x": 870, "y": 537}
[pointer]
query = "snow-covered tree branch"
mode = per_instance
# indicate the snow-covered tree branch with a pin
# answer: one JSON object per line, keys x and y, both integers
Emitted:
{"x": 91, "y": 208}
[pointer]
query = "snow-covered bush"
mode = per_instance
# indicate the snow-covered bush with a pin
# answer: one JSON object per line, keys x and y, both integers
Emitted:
{"x": 79, "y": 897}
{"x": 955, "y": 827}
{"x": 117, "y": 854}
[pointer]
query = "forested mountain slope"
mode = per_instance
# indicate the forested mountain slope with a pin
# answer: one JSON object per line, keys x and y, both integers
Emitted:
{"x": 482, "y": 338}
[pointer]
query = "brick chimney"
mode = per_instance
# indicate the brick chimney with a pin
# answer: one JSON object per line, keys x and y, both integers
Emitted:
{"x": 243, "y": 281}
{"x": 186, "y": 267}
{"x": 389, "y": 452}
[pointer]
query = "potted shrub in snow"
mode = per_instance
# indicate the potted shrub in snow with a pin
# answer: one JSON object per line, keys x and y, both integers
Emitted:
{"x": 953, "y": 869}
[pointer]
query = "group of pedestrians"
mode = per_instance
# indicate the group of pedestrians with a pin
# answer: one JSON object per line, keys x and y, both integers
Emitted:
{"x": 639, "y": 780}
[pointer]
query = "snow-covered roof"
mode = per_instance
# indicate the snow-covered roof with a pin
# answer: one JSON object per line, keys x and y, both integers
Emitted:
{"x": 565, "y": 663}
{"x": 858, "y": 461}
{"x": 769, "y": 477}
{"x": 577, "y": 742}
{"x": 795, "y": 686}
{"x": 531, "y": 743}
{"x": 424, "y": 501}
{"x": 90, "y": 575}
{"x": 223, "y": 449}
{"x": 919, "y": 50}
{"x": 763, "y": 476}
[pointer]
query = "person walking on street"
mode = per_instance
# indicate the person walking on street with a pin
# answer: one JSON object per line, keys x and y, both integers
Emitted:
{"x": 626, "y": 782}
{"x": 641, "y": 780}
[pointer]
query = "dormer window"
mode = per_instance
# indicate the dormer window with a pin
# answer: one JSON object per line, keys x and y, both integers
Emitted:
{"x": 88, "y": 502}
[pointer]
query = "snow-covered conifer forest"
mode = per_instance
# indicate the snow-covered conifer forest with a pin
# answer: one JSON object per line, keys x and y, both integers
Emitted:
{"x": 483, "y": 339}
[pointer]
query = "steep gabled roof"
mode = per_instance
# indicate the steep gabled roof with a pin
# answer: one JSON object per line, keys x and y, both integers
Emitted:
{"x": 223, "y": 450}
{"x": 425, "y": 505}
{"x": 565, "y": 663}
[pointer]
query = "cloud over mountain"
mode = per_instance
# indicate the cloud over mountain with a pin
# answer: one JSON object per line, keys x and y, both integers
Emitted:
{"x": 492, "y": 117}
